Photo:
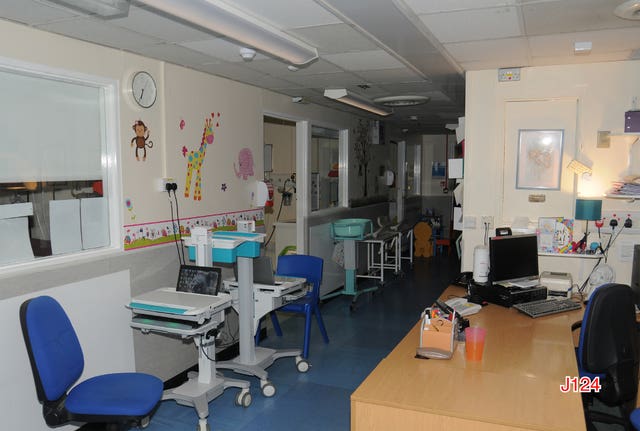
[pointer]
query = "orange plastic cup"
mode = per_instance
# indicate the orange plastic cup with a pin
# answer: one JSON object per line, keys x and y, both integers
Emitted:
{"x": 474, "y": 345}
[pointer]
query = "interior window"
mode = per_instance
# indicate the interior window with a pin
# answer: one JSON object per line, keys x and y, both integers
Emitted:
{"x": 53, "y": 163}
{"x": 325, "y": 172}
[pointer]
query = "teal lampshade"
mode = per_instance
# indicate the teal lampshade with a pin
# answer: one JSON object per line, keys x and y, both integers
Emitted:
{"x": 588, "y": 209}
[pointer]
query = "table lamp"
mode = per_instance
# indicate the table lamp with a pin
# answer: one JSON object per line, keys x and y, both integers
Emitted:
{"x": 587, "y": 209}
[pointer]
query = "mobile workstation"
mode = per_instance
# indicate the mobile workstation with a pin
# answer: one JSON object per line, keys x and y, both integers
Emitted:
{"x": 243, "y": 247}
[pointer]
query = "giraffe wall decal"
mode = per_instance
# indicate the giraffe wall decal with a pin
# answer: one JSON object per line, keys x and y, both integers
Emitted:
{"x": 195, "y": 158}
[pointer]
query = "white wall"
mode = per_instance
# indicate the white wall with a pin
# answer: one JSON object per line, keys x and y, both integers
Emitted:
{"x": 604, "y": 92}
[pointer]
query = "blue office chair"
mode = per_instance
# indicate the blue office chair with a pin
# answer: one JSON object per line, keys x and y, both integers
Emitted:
{"x": 635, "y": 419}
{"x": 609, "y": 349}
{"x": 309, "y": 267}
{"x": 57, "y": 362}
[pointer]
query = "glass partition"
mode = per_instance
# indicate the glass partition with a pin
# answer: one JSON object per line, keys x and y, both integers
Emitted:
{"x": 325, "y": 168}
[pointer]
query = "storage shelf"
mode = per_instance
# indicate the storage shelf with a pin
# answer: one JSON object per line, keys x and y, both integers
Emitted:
{"x": 573, "y": 255}
{"x": 631, "y": 198}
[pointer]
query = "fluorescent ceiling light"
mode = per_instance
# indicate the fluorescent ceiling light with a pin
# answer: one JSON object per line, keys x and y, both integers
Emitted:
{"x": 219, "y": 17}
{"x": 628, "y": 10}
{"x": 344, "y": 96}
{"x": 394, "y": 101}
{"x": 102, "y": 8}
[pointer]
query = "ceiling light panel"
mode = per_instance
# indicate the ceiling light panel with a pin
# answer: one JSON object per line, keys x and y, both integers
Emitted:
{"x": 221, "y": 18}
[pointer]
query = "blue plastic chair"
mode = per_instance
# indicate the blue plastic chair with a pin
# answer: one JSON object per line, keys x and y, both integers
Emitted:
{"x": 57, "y": 361}
{"x": 309, "y": 267}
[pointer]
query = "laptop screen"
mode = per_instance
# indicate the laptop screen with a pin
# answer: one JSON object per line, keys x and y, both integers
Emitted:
{"x": 199, "y": 279}
{"x": 262, "y": 271}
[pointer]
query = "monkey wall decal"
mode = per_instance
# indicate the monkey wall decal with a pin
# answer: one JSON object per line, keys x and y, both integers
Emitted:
{"x": 141, "y": 140}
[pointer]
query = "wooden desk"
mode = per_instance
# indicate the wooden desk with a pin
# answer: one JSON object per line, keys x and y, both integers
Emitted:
{"x": 516, "y": 386}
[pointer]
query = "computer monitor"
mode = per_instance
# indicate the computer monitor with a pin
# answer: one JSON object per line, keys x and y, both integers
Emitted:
{"x": 635, "y": 274}
{"x": 512, "y": 257}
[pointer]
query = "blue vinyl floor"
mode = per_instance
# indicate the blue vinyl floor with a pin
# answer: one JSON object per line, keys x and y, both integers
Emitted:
{"x": 319, "y": 399}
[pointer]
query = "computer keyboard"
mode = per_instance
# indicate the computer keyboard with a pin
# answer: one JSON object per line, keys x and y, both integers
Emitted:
{"x": 547, "y": 306}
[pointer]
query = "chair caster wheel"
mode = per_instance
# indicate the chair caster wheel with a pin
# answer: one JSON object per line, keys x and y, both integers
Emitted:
{"x": 268, "y": 390}
{"x": 302, "y": 365}
{"x": 243, "y": 398}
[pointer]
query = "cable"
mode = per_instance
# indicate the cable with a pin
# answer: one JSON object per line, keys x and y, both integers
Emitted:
{"x": 173, "y": 225}
{"x": 174, "y": 186}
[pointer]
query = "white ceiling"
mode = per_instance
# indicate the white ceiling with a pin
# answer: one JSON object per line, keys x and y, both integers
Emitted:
{"x": 375, "y": 48}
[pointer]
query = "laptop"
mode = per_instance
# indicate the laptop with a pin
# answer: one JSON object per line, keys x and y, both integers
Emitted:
{"x": 199, "y": 279}
{"x": 263, "y": 272}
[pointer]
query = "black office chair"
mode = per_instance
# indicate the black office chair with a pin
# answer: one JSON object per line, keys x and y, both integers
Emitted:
{"x": 116, "y": 400}
{"x": 609, "y": 349}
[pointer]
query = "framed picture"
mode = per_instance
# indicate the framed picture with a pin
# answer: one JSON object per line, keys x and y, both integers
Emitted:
{"x": 539, "y": 159}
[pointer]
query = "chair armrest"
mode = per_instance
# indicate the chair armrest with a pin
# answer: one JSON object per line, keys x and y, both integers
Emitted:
{"x": 576, "y": 325}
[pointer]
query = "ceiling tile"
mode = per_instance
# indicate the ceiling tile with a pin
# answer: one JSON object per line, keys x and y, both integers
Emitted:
{"x": 479, "y": 24}
{"x": 155, "y": 25}
{"x": 326, "y": 80}
{"x": 270, "y": 82}
{"x": 232, "y": 71}
{"x": 511, "y": 51}
{"x": 175, "y": 54}
{"x": 572, "y": 16}
{"x": 100, "y": 32}
{"x": 330, "y": 39}
{"x": 32, "y": 12}
{"x": 577, "y": 59}
{"x": 418, "y": 88}
{"x": 435, "y": 6}
{"x": 402, "y": 74}
{"x": 279, "y": 69}
{"x": 365, "y": 60}
{"x": 559, "y": 45}
{"x": 283, "y": 14}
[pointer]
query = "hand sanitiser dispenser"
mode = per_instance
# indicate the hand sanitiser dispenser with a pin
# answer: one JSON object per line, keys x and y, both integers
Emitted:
{"x": 481, "y": 264}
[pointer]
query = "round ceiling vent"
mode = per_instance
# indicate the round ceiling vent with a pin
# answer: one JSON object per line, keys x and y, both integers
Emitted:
{"x": 628, "y": 10}
{"x": 395, "y": 101}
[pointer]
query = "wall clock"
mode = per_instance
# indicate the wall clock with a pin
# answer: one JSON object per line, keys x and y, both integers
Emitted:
{"x": 144, "y": 89}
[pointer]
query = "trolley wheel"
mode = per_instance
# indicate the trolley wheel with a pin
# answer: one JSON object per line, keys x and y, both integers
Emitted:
{"x": 243, "y": 398}
{"x": 302, "y": 365}
{"x": 268, "y": 389}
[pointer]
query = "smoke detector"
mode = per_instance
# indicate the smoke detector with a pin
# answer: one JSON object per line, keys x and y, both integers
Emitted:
{"x": 628, "y": 10}
{"x": 247, "y": 54}
{"x": 396, "y": 101}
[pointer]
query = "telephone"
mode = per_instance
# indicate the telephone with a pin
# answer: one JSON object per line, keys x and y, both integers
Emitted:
{"x": 463, "y": 279}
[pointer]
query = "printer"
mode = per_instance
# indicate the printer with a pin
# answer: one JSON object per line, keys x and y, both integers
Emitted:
{"x": 558, "y": 284}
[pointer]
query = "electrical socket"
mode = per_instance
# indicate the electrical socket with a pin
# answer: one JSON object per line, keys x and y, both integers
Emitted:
{"x": 488, "y": 222}
{"x": 161, "y": 184}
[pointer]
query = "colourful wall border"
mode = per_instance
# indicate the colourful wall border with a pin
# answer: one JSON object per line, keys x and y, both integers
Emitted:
{"x": 141, "y": 235}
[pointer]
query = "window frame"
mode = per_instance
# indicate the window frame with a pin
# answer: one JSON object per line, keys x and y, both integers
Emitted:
{"x": 110, "y": 156}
